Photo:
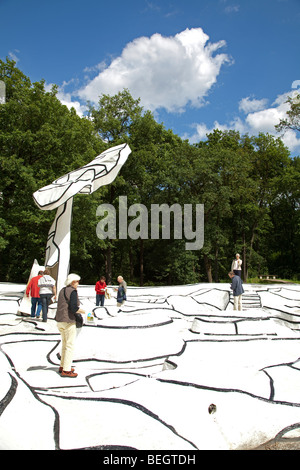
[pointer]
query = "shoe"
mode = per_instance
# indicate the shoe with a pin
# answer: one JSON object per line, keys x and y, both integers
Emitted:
{"x": 68, "y": 374}
{"x": 61, "y": 369}
{"x": 45, "y": 321}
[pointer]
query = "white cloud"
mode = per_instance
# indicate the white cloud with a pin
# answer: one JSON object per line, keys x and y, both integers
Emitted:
{"x": 96, "y": 68}
{"x": 249, "y": 105}
{"x": 232, "y": 9}
{"x": 66, "y": 99}
{"x": 164, "y": 72}
{"x": 202, "y": 130}
{"x": 256, "y": 121}
{"x": 229, "y": 8}
{"x": 266, "y": 120}
{"x": 13, "y": 55}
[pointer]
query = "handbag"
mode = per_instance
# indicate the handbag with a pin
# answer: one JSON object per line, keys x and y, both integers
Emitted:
{"x": 78, "y": 320}
{"x": 78, "y": 316}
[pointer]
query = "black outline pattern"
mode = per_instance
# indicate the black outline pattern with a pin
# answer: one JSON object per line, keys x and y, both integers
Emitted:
{"x": 141, "y": 301}
{"x": 80, "y": 181}
{"x": 89, "y": 168}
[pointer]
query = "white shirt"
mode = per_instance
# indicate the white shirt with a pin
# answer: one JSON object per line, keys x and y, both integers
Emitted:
{"x": 237, "y": 264}
{"x": 46, "y": 284}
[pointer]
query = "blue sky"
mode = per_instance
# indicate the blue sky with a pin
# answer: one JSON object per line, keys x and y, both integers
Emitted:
{"x": 195, "y": 64}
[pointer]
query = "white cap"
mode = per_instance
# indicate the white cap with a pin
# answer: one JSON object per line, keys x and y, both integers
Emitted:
{"x": 71, "y": 278}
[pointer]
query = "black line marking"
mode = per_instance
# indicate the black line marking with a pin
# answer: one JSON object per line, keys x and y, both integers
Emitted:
{"x": 132, "y": 404}
{"x": 10, "y": 394}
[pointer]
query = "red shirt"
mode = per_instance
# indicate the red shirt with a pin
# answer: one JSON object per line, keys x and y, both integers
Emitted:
{"x": 33, "y": 287}
{"x": 100, "y": 287}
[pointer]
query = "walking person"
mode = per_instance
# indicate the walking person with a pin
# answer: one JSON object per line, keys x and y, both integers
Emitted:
{"x": 33, "y": 291}
{"x": 100, "y": 288}
{"x": 67, "y": 305}
{"x": 47, "y": 291}
{"x": 238, "y": 290}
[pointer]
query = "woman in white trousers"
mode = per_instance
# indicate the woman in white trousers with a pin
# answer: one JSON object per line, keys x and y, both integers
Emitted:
{"x": 67, "y": 305}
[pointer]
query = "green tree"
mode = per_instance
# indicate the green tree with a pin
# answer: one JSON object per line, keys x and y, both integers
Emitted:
{"x": 283, "y": 246}
{"x": 112, "y": 120}
{"x": 40, "y": 140}
{"x": 270, "y": 160}
{"x": 293, "y": 115}
{"x": 220, "y": 178}
{"x": 249, "y": 187}
{"x": 238, "y": 177}
{"x": 114, "y": 115}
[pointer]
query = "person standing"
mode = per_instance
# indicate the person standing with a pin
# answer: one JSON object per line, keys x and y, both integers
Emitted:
{"x": 236, "y": 265}
{"x": 238, "y": 290}
{"x": 47, "y": 291}
{"x": 122, "y": 289}
{"x": 33, "y": 290}
{"x": 67, "y": 305}
{"x": 100, "y": 291}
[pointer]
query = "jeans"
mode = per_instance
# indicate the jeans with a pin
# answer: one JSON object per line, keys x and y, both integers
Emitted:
{"x": 100, "y": 300}
{"x": 46, "y": 299}
{"x": 36, "y": 301}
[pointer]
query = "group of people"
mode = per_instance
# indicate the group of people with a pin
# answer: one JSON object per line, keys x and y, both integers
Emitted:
{"x": 42, "y": 290}
{"x": 101, "y": 291}
{"x": 237, "y": 284}
{"x": 68, "y": 306}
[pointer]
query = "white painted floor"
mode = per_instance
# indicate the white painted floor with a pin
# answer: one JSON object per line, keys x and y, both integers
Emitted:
{"x": 149, "y": 371}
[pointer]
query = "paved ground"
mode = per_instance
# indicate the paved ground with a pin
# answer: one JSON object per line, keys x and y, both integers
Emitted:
{"x": 281, "y": 444}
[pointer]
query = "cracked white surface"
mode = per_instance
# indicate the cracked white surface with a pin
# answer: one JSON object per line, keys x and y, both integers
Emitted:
{"x": 148, "y": 372}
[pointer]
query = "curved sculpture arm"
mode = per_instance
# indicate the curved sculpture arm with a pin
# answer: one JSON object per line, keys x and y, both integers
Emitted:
{"x": 99, "y": 172}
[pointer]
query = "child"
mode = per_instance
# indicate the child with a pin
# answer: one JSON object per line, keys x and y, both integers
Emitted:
{"x": 100, "y": 291}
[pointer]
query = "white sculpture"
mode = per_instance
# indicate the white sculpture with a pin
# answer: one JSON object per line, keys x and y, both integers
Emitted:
{"x": 59, "y": 195}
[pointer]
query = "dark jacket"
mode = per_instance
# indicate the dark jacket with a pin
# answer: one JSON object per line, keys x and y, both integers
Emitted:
{"x": 67, "y": 304}
{"x": 121, "y": 295}
{"x": 237, "y": 286}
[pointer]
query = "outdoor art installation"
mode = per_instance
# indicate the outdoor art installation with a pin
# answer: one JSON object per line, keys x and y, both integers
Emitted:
{"x": 174, "y": 369}
{"x": 59, "y": 195}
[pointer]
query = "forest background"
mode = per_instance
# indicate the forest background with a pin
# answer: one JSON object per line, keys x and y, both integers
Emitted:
{"x": 249, "y": 186}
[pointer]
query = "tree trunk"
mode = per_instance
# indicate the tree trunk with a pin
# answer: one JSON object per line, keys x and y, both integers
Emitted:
{"x": 246, "y": 267}
{"x": 245, "y": 270}
{"x": 108, "y": 265}
{"x": 216, "y": 263}
{"x": 130, "y": 264}
{"x": 207, "y": 263}
{"x": 141, "y": 262}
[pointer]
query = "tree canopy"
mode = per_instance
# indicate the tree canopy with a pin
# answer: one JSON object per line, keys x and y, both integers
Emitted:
{"x": 292, "y": 121}
{"x": 249, "y": 186}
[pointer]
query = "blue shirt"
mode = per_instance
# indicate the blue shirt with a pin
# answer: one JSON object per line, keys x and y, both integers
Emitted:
{"x": 237, "y": 286}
